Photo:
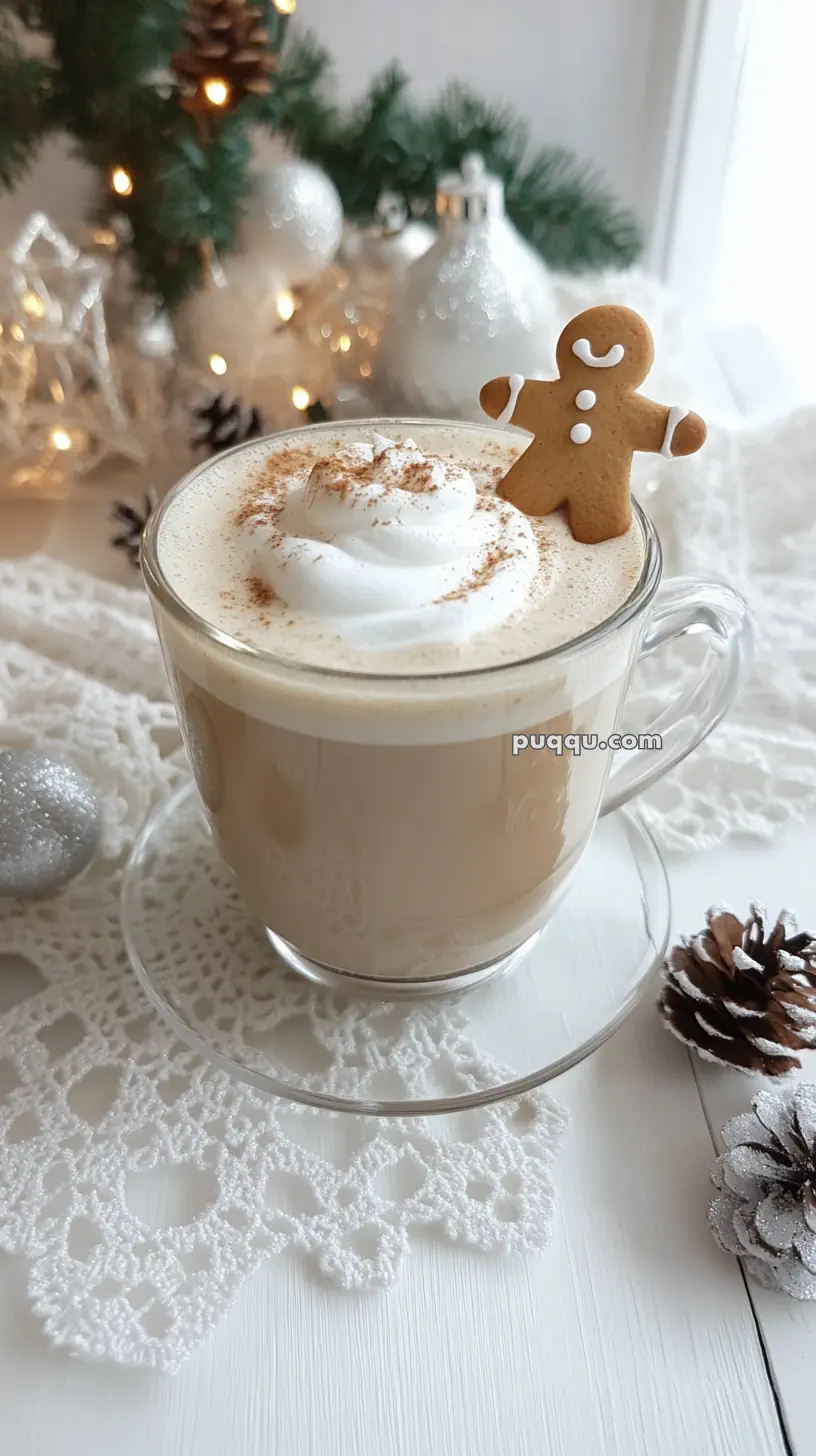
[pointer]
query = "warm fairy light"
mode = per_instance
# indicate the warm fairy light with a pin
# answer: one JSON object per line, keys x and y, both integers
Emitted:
{"x": 301, "y": 397}
{"x": 344, "y": 343}
{"x": 216, "y": 91}
{"x": 33, "y": 305}
{"x": 365, "y": 369}
{"x": 104, "y": 237}
{"x": 285, "y": 7}
{"x": 362, "y": 331}
{"x": 121, "y": 182}
{"x": 17, "y": 333}
{"x": 60, "y": 439}
{"x": 56, "y": 391}
{"x": 218, "y": 364}
{"x": 285, "y": 305}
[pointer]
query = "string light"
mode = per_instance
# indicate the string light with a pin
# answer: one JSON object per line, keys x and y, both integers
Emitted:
{"x": 216, "y": 91}
{"x": 301, "y": 397}
{"x": 285, "y": 7}
{"x": 218, "y": 364}
{"x": 285, "y": 305}
{"x": 33, "y": 305}
{"x": 344, "y": 343}
{"x": 121, "y": 182}
{"x": 60, "y": 439}
{"x": 17, "y": 333}
{"x": 365, "y": 369}
{"x": 104, "y": 237}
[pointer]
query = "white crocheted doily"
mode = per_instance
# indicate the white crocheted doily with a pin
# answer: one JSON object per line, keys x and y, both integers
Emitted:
{"x": 142, "y": 1186}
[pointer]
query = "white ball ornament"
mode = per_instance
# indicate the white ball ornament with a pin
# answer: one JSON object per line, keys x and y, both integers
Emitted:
{"x": 295, "y": 220}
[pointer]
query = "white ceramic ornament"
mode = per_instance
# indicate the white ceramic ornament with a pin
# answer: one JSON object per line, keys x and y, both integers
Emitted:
{"x": 478, "y": 304}
{"x": 295, "y": 221}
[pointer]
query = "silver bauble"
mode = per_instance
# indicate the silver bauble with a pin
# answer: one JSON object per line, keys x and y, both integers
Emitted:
{"x": 50, "y": 823}
{"x": 391, "y": 244}
{"x": 479, "y": 303}
{"x": 295, "y": 220}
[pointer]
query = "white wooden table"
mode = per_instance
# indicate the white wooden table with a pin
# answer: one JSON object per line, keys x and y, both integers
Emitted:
{"x": 632, "y": 1335}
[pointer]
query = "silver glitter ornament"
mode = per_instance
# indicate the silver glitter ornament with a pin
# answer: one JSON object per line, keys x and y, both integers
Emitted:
{"x": 50, "y": 823}
{"x": 295, "y": 221}
{"x": 765, "y": 1209}
{"x": 391, "y": 244}
{"x": 478, "y": 303}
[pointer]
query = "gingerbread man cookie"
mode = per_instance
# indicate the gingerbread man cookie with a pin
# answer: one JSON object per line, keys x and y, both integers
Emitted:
{"x": 588, "y": 423}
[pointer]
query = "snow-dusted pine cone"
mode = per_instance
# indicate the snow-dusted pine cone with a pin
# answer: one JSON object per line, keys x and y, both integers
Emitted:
{"x": 765, "y": 1209}
{"x": 740, "y": 997}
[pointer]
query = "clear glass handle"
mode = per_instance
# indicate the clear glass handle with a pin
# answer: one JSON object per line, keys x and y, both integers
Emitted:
{"x": 687, "y": 604}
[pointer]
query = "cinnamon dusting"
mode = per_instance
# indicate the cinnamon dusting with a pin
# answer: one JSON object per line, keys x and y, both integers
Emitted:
{"x": 260, "y": 593}
{"x": 493, "y": 558}
{"x": 264, "y": 500}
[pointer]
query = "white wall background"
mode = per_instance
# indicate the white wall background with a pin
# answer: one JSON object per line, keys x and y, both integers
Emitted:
{"x": 596, "y": 76}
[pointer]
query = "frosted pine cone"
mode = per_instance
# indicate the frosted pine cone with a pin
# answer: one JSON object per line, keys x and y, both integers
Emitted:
{"x": 741, "y": 998}
{"x": 765, "y": 1210}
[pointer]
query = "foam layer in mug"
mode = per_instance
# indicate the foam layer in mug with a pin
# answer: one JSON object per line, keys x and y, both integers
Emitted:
{"x": 209, "y": 562}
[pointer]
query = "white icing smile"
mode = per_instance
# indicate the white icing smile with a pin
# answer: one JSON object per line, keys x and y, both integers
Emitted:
{"x": 583, "y": 349}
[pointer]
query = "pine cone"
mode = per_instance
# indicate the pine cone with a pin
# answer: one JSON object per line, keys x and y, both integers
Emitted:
{"x": 225, "y": 421}
{"x": 765, "y": 1210}
{"x": 131, "y": 520}
{"x": 227, "y": 43}
{"x": 741, "y": 999}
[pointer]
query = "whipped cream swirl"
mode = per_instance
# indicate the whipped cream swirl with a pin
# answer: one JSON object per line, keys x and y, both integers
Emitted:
{"x": 392, "y": 548}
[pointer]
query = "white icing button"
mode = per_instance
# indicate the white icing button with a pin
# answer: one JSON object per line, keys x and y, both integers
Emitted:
{"x": 579, "y": 434}
{"x": 585, "y": 398}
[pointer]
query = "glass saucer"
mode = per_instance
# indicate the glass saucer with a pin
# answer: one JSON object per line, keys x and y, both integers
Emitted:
{"x": 211, "y": 972}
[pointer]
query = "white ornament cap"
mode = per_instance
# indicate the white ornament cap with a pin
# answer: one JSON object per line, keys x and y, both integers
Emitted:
{"x": 471, "y": 193}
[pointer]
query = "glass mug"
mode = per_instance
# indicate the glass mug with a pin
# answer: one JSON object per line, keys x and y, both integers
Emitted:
{"x": 390, "y": 829}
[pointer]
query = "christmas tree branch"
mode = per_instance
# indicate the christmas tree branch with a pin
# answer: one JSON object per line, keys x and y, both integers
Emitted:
{"x": 25, "y": 105}
{"x": 388, "y": 143}
{"x": 179, "y": 165}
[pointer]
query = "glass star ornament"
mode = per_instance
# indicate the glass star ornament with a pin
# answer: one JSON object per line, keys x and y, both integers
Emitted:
{"x": 59, "y": 397}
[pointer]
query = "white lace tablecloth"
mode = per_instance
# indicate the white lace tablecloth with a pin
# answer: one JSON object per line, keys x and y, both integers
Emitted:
{"x": 97, "y": 1098}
